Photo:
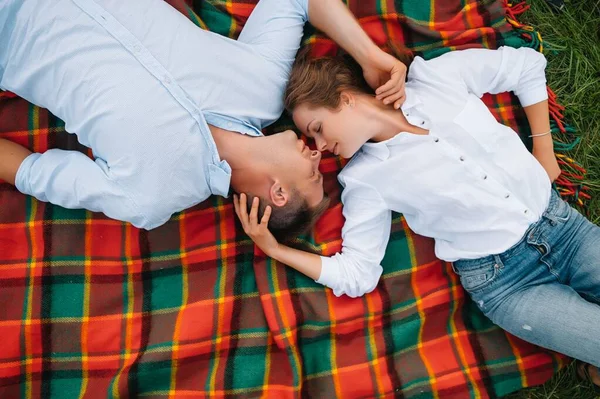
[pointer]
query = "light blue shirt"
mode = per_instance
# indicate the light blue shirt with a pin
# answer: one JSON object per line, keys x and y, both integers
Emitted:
{"x": 138, "y": 83}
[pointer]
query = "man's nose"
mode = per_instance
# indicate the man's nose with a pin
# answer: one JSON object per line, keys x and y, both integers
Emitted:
{"x": 315, "y": 155}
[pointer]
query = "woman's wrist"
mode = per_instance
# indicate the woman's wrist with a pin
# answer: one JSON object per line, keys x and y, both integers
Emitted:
{"x": 543, "y": 142}
{"x": 274, "y": 252}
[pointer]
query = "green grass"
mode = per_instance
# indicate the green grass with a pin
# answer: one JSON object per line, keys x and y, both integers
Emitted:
{"x": 572, "y": 46}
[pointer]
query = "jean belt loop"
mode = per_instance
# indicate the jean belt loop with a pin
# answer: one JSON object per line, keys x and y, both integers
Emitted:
{"x": 498, "y": 261}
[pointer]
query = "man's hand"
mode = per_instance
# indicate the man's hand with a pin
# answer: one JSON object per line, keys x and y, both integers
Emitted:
{"x": 258, "y": 232}
{"x": 545, "y": 156}
{"x": 386, "y": 75}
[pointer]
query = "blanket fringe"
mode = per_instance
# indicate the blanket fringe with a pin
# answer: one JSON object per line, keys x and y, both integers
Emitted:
{"x": 570, "y": 183}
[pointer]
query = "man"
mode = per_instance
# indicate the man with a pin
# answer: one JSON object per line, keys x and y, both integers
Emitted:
{"x": 172, "y": 113}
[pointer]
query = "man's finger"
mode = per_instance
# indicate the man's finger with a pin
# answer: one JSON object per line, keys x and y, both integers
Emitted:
{"x": 394, "y": 90}
{"x": 387, "y": 86}
{"x": 399, "y": 102}
{"x": 394, "y": 97}
{"x": 254, "y": 212}
{"x": 265, "y": 219}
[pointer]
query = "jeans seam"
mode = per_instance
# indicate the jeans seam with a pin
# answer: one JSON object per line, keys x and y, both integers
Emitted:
{"x": 497, "y": 268}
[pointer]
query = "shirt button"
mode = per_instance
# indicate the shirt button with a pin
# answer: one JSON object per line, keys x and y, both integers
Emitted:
{"x": 422, "y": 123}
{"x": 229, "y": 124}
{"x": 485, "y": 177}
{"x": 507, "y": 196}
{"x": 526, "y": 211}
{"x": 462, "y": 158}
{"x": 407, "y": 114}
{"x": 167, "y": 80}
{"x": 436, "y": 140}
{"x": 137, "y": 48}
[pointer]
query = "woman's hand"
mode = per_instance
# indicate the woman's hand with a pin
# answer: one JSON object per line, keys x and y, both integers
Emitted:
{"x": 386, "y": 75}
{"x": 258, "y": 232}
{"x": 546, "y": 157}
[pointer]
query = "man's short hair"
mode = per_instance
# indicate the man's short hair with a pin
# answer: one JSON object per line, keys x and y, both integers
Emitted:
{"x": 292, "y": 220}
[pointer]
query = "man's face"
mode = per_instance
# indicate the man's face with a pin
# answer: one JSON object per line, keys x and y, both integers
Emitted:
{"x": 298, "y": 166}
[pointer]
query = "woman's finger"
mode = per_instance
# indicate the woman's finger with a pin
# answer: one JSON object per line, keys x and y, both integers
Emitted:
{"x": 236, "y": 205}
{"x": 265, "y": 219}
{"x": 243, "y": 210}
{"x": 254, "y": 212}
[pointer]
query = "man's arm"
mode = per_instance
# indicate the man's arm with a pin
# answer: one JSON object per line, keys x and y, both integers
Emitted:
{"x": 68, "y": 179}
{"x": 12, "y": 156}
{"x": 383, "y": 72}
{"x": 275, "y": 29}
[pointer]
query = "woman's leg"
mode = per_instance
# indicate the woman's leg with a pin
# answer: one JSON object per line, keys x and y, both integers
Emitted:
{"x": 553, "y": 316}
{"x": 580, "y": 266}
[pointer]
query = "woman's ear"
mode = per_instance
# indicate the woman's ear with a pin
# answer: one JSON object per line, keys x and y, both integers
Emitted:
{"x": 347, "y": 99}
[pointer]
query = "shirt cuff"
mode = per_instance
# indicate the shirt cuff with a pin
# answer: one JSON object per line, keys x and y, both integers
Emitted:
{"x": 532, "y": 96}
{"x": 22, "y": 179}
{"x": 330, "y": 272}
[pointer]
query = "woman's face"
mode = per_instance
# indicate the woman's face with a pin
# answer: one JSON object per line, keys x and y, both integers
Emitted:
{"x": 342, "y": 131}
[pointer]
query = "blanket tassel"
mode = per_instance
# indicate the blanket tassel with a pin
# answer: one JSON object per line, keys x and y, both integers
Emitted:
{"x": 570, "y": 182}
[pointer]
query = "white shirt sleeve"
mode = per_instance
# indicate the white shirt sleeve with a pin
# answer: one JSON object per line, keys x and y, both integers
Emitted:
{"x": 275, "y": 29}
{"x": 356, "y": 270}
{"x": 72, "y": 180}
{"x": 481, "y": 71}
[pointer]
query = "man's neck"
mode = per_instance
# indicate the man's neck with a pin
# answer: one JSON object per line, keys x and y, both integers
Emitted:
{"x": 246, "y": 157}
{"x": 237, "y": 149}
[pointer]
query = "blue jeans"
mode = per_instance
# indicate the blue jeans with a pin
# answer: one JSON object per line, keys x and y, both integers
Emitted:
{"x": 546, "y": 288}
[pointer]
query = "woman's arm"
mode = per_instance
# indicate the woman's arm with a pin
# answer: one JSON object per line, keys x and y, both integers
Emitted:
{"x": 356, "y": 270}
{"x": 543, "y": 145}
{"x": 521, "y": 71}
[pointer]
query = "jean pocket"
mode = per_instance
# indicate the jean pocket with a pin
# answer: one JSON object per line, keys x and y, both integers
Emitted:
{"x": 562, "y": 211}
{"x": 480, "y": 278}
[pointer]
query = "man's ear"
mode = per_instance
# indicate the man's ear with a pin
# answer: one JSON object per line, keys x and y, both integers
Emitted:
{"x": 279, "y": 196}
{"x": 347, "y": 99}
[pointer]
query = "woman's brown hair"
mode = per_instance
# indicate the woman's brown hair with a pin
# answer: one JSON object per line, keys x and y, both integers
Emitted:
{"x": 319, "y": 82}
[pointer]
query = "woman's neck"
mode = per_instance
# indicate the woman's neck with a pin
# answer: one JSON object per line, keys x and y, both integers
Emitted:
{"x": 388, "y": 122}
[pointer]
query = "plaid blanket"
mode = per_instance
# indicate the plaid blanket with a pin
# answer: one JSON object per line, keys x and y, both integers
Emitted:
{"x": 91, "y": 307}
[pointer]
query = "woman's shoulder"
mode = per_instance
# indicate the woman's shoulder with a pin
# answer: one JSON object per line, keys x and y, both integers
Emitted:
{"x": 358, "y": 169}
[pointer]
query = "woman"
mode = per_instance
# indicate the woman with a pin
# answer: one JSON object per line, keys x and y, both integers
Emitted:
{"x": 525, "y": 256}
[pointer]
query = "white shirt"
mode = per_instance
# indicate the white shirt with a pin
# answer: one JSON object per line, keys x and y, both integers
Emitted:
{"x": 139, "y": 83}
{"x": 470, "y": 184}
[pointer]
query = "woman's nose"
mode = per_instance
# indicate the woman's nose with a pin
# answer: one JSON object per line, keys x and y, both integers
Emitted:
{"x": 321, "y": 144}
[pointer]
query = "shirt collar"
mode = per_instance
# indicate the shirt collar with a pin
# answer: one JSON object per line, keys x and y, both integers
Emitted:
{"x": 412, "y": 99}
{"x": 381, "y": 149}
